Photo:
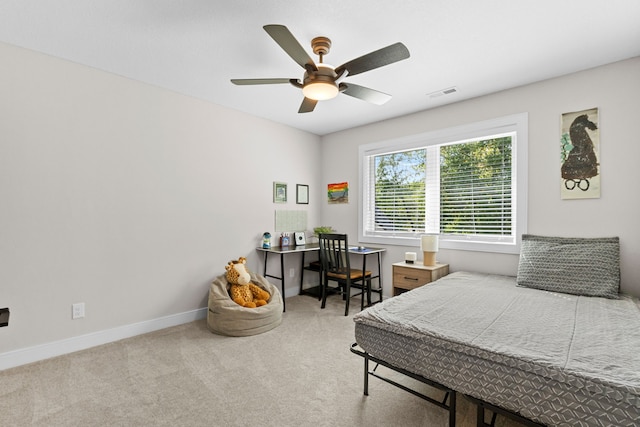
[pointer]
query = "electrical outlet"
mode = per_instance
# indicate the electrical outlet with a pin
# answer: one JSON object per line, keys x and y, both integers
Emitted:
{"x": 292, "y": 272}
{"x": 77, "y": 310}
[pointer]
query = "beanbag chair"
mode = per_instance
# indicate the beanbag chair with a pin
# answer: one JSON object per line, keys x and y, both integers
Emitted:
{"x": 225, "y": 317}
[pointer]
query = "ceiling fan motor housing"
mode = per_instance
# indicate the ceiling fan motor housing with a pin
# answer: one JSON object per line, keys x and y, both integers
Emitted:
{"x": 321, "y": 84}
{"x": 325, "y": 73}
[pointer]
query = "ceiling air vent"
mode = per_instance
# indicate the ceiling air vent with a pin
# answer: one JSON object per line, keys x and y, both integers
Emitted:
{"x": 441, "y": 92}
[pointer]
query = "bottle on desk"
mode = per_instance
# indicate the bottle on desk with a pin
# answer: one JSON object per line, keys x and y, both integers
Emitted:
{"x": 266, "y": 240}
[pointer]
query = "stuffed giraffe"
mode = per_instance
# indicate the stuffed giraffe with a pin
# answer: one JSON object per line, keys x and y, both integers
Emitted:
{"x": 242, "y": 291}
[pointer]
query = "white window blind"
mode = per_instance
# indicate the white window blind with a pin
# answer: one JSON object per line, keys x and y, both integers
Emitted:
{"x": 464, "y": 189}
{"x": 475, "y": 188}
{"x": 399, "y": 196}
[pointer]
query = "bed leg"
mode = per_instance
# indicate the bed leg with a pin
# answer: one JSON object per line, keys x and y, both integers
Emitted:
{"x": 452, "y": 408}
{"x": 366, "y": 374}
{"x": 479, "y": 416}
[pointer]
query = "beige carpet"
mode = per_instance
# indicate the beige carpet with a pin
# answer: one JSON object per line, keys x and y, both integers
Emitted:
{"x": 299, "y": 374}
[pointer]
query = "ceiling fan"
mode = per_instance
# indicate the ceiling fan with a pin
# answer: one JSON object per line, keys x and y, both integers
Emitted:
{"x": 322, "y": 81}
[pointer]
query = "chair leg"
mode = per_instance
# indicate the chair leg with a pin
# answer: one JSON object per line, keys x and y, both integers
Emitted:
{"x": 348, "y": 297}
{"x": 324, "y": 285}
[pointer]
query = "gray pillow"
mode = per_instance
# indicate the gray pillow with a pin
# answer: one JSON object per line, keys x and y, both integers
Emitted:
{"x": 571, "y": 265}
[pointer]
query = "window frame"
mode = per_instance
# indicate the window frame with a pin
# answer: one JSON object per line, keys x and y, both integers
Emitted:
{"x": 517, "y": 123}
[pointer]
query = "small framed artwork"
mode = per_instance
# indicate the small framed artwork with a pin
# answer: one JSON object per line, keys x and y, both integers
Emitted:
{"x": 279, "y": 192}
{"x": 338, "y": 193}
{"x": 302, "y": 194}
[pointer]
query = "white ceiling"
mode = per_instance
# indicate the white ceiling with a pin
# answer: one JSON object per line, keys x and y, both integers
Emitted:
{"x": 195, "y": 46}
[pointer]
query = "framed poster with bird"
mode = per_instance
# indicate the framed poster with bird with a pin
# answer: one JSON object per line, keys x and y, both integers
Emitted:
{"x": 580, "y": 155}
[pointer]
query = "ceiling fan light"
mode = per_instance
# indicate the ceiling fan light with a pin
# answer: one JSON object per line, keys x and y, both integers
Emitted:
{"x": 320, "y": 91}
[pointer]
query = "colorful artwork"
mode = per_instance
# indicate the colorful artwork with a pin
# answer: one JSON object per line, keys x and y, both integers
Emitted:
{"x": 338, "y": 193}
{"x": 580, "y": 153}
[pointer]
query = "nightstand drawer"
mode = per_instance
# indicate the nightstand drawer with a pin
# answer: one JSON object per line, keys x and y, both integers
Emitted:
{"x": 409, "y": 278}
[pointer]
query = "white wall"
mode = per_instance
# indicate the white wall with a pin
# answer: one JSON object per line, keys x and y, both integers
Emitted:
{"x": 126, "y": 197}
{"x": 614, "y": 89}
{"x": 131, "y": 198}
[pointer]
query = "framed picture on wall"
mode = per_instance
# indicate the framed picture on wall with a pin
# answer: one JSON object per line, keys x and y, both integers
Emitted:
{"x": 338, "y": 193}
{"x": 580, "y": 155}
{"x": 279, "y": 192}
{"x": 302, "y": 194}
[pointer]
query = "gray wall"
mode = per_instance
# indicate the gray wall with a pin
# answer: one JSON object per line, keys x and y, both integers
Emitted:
{"x": 131, "y": 198}
{"x": 614, "y": 89}
{"x": 126, "y": 197}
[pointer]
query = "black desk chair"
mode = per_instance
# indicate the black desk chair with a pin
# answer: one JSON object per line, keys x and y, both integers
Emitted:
{"x": 334, "y": 255}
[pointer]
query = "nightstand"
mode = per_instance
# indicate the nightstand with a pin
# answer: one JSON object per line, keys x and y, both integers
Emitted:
{"x": 411, "y": 276}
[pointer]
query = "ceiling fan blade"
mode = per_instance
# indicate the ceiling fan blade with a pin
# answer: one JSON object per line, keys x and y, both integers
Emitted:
{"x": 259, "y": 81}
{"x": 289, "y": 44}
{"x": 307, "y": 105}
{"x": 379, "y": 58}
{"x": 364, "y": 93}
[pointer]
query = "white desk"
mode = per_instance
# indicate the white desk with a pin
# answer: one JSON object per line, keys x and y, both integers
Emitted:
{"x": 314, "y": 247}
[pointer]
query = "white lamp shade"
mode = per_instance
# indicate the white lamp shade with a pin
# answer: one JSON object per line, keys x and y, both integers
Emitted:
{"x": 429, "y": 243}
{"x": 320, "y": 90}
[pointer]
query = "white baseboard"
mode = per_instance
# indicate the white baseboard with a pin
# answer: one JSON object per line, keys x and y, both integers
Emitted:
{"x": 27, "y": 355}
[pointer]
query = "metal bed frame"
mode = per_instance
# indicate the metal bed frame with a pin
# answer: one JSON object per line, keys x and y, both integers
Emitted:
{"x": 481, "y": 406}
{"x": 449, "y": 394}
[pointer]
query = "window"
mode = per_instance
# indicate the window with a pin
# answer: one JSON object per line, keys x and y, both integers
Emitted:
{"x": 467, "y": 183}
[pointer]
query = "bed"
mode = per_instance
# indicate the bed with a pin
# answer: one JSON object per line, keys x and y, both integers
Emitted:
{"x": 538, "y": 347}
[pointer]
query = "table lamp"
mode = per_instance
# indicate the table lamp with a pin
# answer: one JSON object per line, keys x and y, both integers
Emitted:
{"x": 429, "y": 244}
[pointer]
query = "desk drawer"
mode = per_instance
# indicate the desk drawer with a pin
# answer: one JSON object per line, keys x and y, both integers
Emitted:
{"x": 410, "y": 278}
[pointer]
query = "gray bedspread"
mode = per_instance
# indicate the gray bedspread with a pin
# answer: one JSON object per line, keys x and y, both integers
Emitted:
{"x": 555, "y": 358}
